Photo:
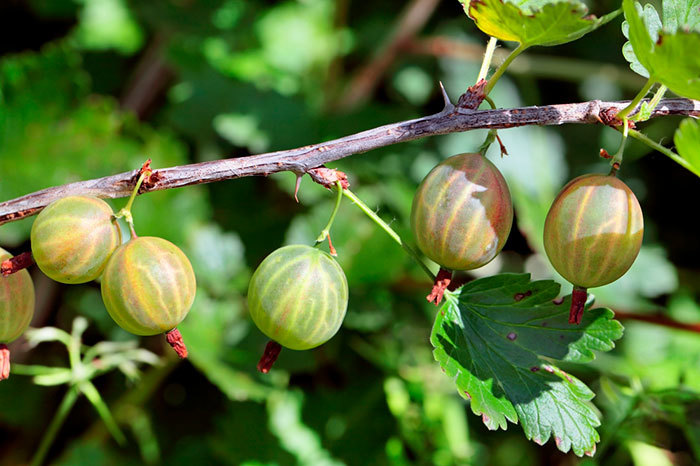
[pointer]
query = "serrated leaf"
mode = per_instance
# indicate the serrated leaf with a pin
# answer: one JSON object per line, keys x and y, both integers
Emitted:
{"x": 498, "y": 336}
{"x": 534, "y": 22}
{"x": 681, "y": 14}
{"x": 667, "y": 55}
{"x": 687, "y": 140}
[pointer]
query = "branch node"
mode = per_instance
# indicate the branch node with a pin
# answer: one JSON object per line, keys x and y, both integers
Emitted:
{"x": 328, "y": 177}
{"x": 471, "y": 99}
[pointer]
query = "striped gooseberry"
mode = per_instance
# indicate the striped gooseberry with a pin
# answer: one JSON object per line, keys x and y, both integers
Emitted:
{"x": 148, "y": 286}
{"x": 16, "y": 310}
{"x": 462, "y": 212}
{"x": 74, "y": 237}
{"x": 593, "y": 233}
{"x": 298, "y": 296}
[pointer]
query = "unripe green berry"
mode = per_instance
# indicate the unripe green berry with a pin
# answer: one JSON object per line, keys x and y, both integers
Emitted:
{"x": 16, "y": 302}
{"x": 148, "y": 286}
{"x": 593, "y": 231}
{"x": 462, "y": 212}
{"x": 298, "y": 296}
{"x": 74, "y": 237}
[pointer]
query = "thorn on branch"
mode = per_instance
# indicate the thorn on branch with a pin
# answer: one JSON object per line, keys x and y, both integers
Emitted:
{"x": 297, "y": 185}
{"x": 504, "y": 151}
{"x": 17, "y": 263}
{"x": 449, "y": 106}
{"x": 328, "y": 177}
{"x": 605, "y": 154}
{"x": 471, "y": 99}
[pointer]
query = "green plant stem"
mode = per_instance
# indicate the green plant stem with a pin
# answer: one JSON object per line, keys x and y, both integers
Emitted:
{"x": 616, "y": 161}
{"x": 326, "y": 231}
{"x": 658, "y": 95}
{"x": 668, "y": 152}
{"x": 126, "y": 211}
{"x": 93, "y": 395}
{"x": 384, "y": 226}
{"x": 501, "y": 69}
{"x": 59, "y": 418}
{"x": 622, "y": 114}
{"x": 488, "y": 56}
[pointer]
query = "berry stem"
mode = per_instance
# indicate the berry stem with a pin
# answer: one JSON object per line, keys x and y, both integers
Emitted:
{"x": 126, "y": 211}
{"x": 270, "y": 355}
{"x": 653, "y": 103}
{"x": 488, "y": 56}
{"x": 384, "y": 226}
{"x": 578, "y": 303}
{"x": 326, "y": 231}
{"x": 667, "y": 152}
{"x": 16, "y": 263}
{"x": 622, "y": 114}
{"x": 59, "y": 418}
{"x": 174, "y": 339}
{"x": 501, "y": 69}
{"x": 4, "y": 361}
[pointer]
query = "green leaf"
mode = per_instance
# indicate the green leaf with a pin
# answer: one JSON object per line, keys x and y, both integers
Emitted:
{"x": 534, "y": 22}
{"x": 681, "y": 14}
{"x": 666, "y": 55}
{"x": 498, "y": 337}
{"x": 687, "y": 140}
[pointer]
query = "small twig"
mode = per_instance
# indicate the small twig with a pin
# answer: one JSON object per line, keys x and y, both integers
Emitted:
{"x": 657, "y": 319}
{"x": 303, "y": 159}
{"x": 363, "y": 83}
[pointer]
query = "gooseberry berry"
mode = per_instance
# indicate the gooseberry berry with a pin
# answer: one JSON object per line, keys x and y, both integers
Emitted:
{"x": 16, "y": 310}
{"x": 593, "y": 233}
{"x": 462, "y": 212}
{"x": 148, "y": 286}
{"x": 298, "y": 296}
{"x": 74, "y": 237}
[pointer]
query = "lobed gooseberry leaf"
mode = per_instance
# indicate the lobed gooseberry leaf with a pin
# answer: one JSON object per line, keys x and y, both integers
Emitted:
{"x": 498, "y": 338}
{"x": 687, "y": 140}
{"x": 665, "y": 53}
{"x": 534, "y": 22}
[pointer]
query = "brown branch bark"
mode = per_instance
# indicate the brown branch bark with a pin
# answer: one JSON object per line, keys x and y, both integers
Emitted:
{"x": 657, "y": 319}
{"x": 303, "y": 159}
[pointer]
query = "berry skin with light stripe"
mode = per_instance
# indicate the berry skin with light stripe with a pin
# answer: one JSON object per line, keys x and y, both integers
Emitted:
{"x": 148, "y": 286}
{"x": 16, "y": 302}
{"x": 298, "y": 297}
{"x": 73, "y": 238}
{"x": 593, "y": 231}
{"x": 16, "y": 310}
{"x": 462, "y": 212}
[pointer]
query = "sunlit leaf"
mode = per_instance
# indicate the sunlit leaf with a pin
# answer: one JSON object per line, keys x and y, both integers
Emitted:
{"x": 668, "y": 56}
{"x": 498, "y": 338}
{"x": 687, "y": 140}
{"x": 534, "y": 22}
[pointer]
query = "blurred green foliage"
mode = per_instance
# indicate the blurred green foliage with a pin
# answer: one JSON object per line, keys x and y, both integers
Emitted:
{"x": 236, "y": 78}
